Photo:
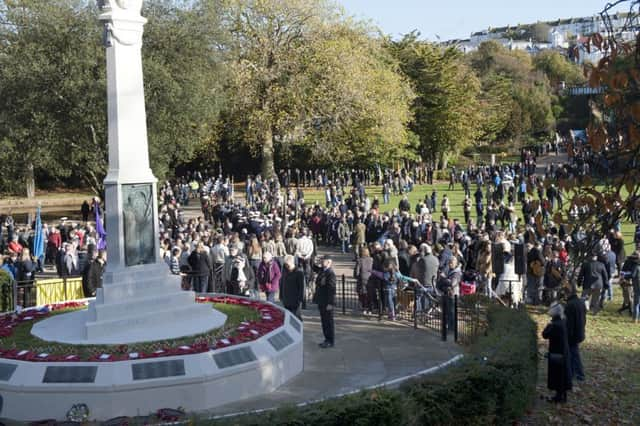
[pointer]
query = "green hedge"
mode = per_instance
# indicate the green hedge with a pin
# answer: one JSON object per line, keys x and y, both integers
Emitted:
{"x": 6, "y": 299}
{"x": 493, "y": 384}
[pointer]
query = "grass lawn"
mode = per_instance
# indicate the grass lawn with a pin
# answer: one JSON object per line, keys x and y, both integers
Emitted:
{"x": 22, "y": 338}
{"x": 611, "y": 357}
{"x": 456, "y": 198}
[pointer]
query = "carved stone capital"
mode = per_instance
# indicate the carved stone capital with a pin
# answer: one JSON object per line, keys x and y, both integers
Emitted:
{"x": 123, "y": 22}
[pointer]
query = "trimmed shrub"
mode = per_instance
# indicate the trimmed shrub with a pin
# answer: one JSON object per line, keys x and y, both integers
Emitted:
{"x": 493, "y": 384}
{"x": 6, "y": 300}
{"x": 377, "y": 407}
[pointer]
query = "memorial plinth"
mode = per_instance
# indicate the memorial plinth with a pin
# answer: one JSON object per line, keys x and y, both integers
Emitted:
{"x": 38, "y": 390}
{"x": 145, "y": 305}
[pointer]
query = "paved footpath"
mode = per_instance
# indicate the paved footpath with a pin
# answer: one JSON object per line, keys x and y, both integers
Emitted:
{"x": 367, "y": 353}
{"x": 551, "y": 158}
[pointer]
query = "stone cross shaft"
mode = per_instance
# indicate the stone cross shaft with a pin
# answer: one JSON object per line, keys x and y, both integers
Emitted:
{"x": 140, "y": 300}
{"x": 128, "y": 145}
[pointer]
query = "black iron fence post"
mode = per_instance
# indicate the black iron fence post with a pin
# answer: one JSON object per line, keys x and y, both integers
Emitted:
{"x": 344, "y": 297}
{"x": 380, "y": 299}
{"x": 455, "y": 318}
{"x": 14, "y": 287}
{"x": 443, "y": 317}
{"x": 24, "y": 296}
{"x": 415, "y": 307}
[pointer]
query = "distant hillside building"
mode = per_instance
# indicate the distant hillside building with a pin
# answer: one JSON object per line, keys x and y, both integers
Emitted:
{"x": 560, "y": 34}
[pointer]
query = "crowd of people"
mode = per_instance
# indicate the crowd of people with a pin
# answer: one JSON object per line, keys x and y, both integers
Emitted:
{"x": 265, "y": 242}
{"x": 70, "y": 250}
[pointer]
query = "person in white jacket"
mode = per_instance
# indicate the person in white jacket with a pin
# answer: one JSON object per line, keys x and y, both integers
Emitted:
{"x": 509, "y": 282}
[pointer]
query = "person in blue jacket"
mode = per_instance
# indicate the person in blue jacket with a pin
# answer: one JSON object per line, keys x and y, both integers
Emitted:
{"x": 391, "y": 278}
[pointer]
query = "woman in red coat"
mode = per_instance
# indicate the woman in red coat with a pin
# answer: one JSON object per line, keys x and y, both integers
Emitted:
{"x": 14, "y": 246}
{"x": 53, "y": 245}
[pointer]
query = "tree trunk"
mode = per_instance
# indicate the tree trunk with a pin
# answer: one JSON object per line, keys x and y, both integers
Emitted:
{"x": 442, "y": 161}
{"x": 268, "y": 168}
{"x": 30, "y": 181}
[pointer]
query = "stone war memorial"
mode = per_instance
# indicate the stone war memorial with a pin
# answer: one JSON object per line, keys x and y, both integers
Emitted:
{"x": 140, "y": 301}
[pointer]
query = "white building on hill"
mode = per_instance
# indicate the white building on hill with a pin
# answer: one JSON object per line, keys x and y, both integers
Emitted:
{"x": 561, "y": 34}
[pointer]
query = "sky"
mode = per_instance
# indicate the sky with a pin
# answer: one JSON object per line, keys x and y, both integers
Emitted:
{"x": 458, "y": 19}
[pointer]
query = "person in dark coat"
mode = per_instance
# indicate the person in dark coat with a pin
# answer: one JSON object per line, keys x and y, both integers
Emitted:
{"x": 325, "y": 297}
{"x": 404, "y": 260}
{"x": 200, "y": 268}
{"x": 92, "y": 274}
{"x": 25, "y": 269}
{"x": 559, "y": 365}
{"x": 362, "y": 273}
{"x": 576, "y": 318}
{"x": 374, "y": 285}
{"x": 425, "y": 269}
{"x": 292, "y": 289}
{"x": 593, "y": 277}
{"x": 87, "y": 289}
{"x": 85, "y": 209}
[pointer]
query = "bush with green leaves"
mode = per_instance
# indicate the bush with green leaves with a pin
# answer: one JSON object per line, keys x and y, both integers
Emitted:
{"x": 493, "y": 384}
{"x": 6, "y": 300}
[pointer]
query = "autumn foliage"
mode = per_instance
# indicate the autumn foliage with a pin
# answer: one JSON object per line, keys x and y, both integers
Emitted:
{"x": 613, "y": 134}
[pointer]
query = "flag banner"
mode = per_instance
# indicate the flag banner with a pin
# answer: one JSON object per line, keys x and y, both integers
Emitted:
{"x": 38, "y": 240}
{"x": 102, "y": 236}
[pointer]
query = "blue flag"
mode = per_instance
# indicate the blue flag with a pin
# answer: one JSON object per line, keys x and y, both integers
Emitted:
{"x": 38, "y": 240}
{"x": 102, "y": 236}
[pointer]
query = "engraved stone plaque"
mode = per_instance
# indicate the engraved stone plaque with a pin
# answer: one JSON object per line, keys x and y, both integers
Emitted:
{"x": 157, "y": 370}
{"x": 6, "y": 371}
{"x": 295, "y": 323}
{"x": 280, "y": 340}
{"x": 70, "y": 375}
{"x": 138, "y": 217}
{"x": 234, "y": 357}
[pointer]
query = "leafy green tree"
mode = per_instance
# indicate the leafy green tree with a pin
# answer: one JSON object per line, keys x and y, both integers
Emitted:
{"x": 305, "y": 79}
{"x": 185, "y": 78}
{"x": 540, "y": 32}
{"x": 446, "y": 107}
{"x": 495, "y": 101}
{"x": 558, "y": 68}
{"x": 53, "y": 89}
{"x": 270, "y": 41}
{"x": 518, "y": 97}
{"x": 358, "y": 104}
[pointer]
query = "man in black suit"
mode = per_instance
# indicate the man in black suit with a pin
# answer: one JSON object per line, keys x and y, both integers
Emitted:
{"x": 325, "y": 297}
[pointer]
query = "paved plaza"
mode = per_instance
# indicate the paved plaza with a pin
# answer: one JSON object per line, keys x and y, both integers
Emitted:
{"x": 367, "y": 353}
